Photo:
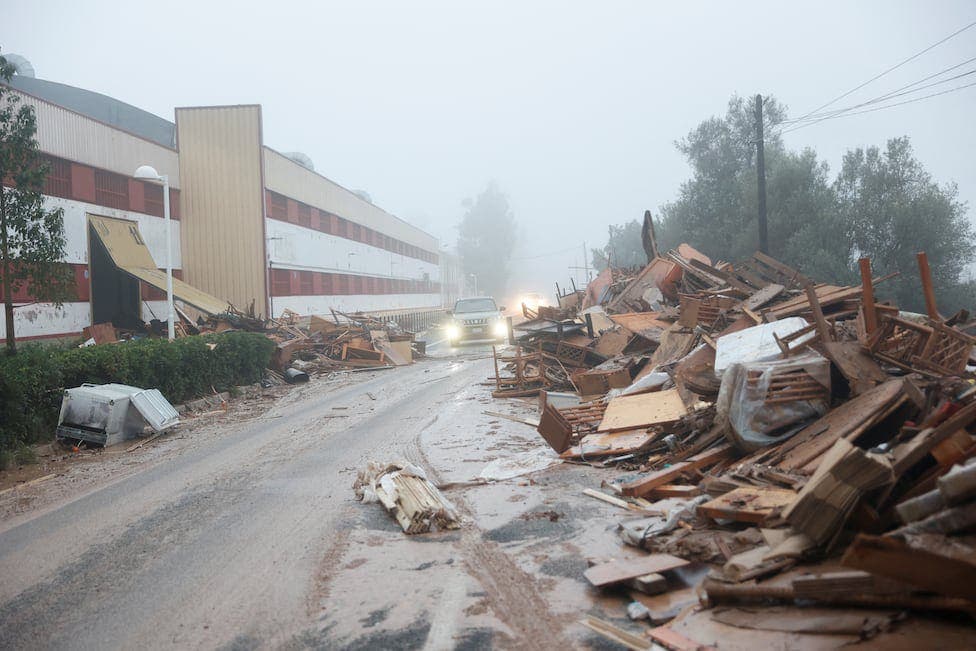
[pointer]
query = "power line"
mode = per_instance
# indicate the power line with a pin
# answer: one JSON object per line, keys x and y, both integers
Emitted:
{"x": 894, "y": 67}
{"x": 877, "y": 108}
{"x": 893, "y": 93}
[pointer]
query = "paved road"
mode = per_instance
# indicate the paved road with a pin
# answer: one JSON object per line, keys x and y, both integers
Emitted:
{"x": 252, "y": 538}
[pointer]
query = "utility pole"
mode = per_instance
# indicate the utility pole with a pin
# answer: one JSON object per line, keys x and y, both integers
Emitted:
{"x": 586, "y": 265}
{"x": 761, "y": 176}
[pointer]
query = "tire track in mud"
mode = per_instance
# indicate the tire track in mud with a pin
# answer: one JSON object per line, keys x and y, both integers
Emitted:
{"x": 511, "y": 592}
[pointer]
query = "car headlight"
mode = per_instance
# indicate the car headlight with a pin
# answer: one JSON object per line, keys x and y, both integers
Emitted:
{"x": 452, "y": 331}
{"x": 500, "y": 328}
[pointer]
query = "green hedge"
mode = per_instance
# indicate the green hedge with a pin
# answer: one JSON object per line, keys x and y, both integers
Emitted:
{"x": 32, "y": 382}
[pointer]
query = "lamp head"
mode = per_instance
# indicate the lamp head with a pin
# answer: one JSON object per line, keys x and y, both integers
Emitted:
{"x": 147, "y": 173}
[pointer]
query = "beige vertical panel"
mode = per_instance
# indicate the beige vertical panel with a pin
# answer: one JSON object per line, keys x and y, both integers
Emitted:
{"x": 66, "y": 134}
{"x": 285, "y": 176}
{"x": 222, "y": 199}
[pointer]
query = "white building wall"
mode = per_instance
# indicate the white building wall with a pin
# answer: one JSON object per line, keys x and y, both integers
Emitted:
{"x": 45, "y": 320}
{"x": 40, "y": 320}
{"x": 66, "y": 134}
{"x": 285, "y": 176}
{"x": 294, "y": 247}
{"x": 152, "y": 228}
{"x": 353, "y": 303}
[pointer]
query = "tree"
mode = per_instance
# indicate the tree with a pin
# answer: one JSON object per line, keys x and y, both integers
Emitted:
{"x": 486, "y": 238}
{"x": 894, "y": 209}
{"x": 623, "y": 248}
{"x": 32, "y": 241}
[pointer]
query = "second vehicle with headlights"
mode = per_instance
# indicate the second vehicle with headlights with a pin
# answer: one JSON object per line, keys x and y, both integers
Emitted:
{"x": 476, "y": 319}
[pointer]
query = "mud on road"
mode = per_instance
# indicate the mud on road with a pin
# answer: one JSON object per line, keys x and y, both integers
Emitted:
{"x": 241, "y": 530}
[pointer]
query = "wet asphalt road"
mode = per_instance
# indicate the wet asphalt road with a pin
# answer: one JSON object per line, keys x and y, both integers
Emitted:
{"x": 225, "y": 543}
{"x": 246, "y": 534}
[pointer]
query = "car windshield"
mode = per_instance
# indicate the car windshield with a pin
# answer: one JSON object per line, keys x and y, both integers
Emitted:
{"x": 475, "y": 305}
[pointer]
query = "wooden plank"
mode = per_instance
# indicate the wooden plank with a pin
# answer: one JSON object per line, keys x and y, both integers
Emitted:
{"x": 867, "y": 296}
{"x": 618, "y": 571}
{"x": 859, "y": 368}
{"x": 604, "y": 444}
{"x": 647, "y": 483}
{"x": 609, "y": 499}
{"x": 643, "y": 410}
{"x": 612, "y": 632}
{"x": 673, "y": 490}
{"x": 911, "y": 452}
{"x": 748, "y": 504}
{"x": 925, "y": 568}
{"x": 927, "y": 290}
{"x": 675, "y": 641}
{"x": 823, "y": 328}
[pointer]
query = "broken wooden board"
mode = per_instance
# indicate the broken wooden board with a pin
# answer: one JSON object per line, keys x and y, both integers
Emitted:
{"x": 642, "y": 410}
{"x": 818, "y": 621}
{"x": 855, "y": 364}
{"x": 555, "y": 429}
{"x": 102, "y": 333}
{"x": 645, "y": 324}
{"x": 762, "y": 296}
{"x": 665, "y": 606}
{"x": 612, "y": 342}
{"x": 921, "y": 567}
{"x": 392, "y": 353}
{"x": 673, "y": 490}
{"x": 618, "y": 571}
{"x": 616, "y": 634}
{"x": 674, "y": 346}
{"x": 602, "y": 444}
{"x": 675, "y": 641}
{"x": 848, "y": 421}
{"x": 647, "y": 483}
{"x": 748, "y": 504}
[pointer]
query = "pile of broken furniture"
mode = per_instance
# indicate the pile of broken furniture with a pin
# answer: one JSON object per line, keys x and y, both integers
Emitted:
{"x": 315, "y": 344}
{"x": 795, "y": 457}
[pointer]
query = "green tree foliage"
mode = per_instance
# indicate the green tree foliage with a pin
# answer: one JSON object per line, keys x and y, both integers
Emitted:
{"x": 623, "y": 247}
{"x": 486, "y": 238}
{"x": 883, "y": 204}
{"x": 32, "y": 240}
{"x": 716, "y": 210}
{"x": 893, "y": 209}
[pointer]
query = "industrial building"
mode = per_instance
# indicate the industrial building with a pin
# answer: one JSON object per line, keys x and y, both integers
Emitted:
{"x": 252, "y": 228}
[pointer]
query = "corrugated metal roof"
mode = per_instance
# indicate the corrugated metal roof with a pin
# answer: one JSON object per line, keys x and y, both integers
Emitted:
{"x": 128, "y": 251}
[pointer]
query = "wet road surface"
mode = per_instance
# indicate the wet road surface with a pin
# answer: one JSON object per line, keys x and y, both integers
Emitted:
{"x": 252, "y": 538}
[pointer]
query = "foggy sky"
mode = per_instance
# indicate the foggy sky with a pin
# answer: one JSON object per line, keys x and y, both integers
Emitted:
{"x": 572, "y": 107}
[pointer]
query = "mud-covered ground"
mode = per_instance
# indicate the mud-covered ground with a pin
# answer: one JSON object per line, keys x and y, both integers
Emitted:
{"x": 241, "y": 530}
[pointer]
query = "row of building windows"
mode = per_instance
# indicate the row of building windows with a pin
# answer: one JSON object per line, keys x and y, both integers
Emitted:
{"x": 308, "y": 216}
{"x": 83, "y": 183}
{"x": 285, "y": 282}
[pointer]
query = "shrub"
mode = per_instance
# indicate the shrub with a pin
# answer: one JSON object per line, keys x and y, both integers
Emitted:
{"x": 32, "y": 382}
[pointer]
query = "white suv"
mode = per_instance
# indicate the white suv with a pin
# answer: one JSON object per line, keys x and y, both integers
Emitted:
{"x": 474, "y": 319}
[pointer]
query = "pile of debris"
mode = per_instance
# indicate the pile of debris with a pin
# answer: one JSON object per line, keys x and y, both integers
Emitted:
{"x": 314, "y": 344}
{"x": 785, "y": 442}
{"x": 305, "y": 344}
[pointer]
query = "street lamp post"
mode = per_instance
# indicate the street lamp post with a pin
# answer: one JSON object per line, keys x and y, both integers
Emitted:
{"x": 149, "y": 173}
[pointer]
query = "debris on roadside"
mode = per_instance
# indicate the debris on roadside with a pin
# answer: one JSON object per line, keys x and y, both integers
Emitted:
{"x": 309, "y": 344}
{"x": 106, "y": 414}
{"x": 806, "y": 443}
{"x": 404, "y": 490}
